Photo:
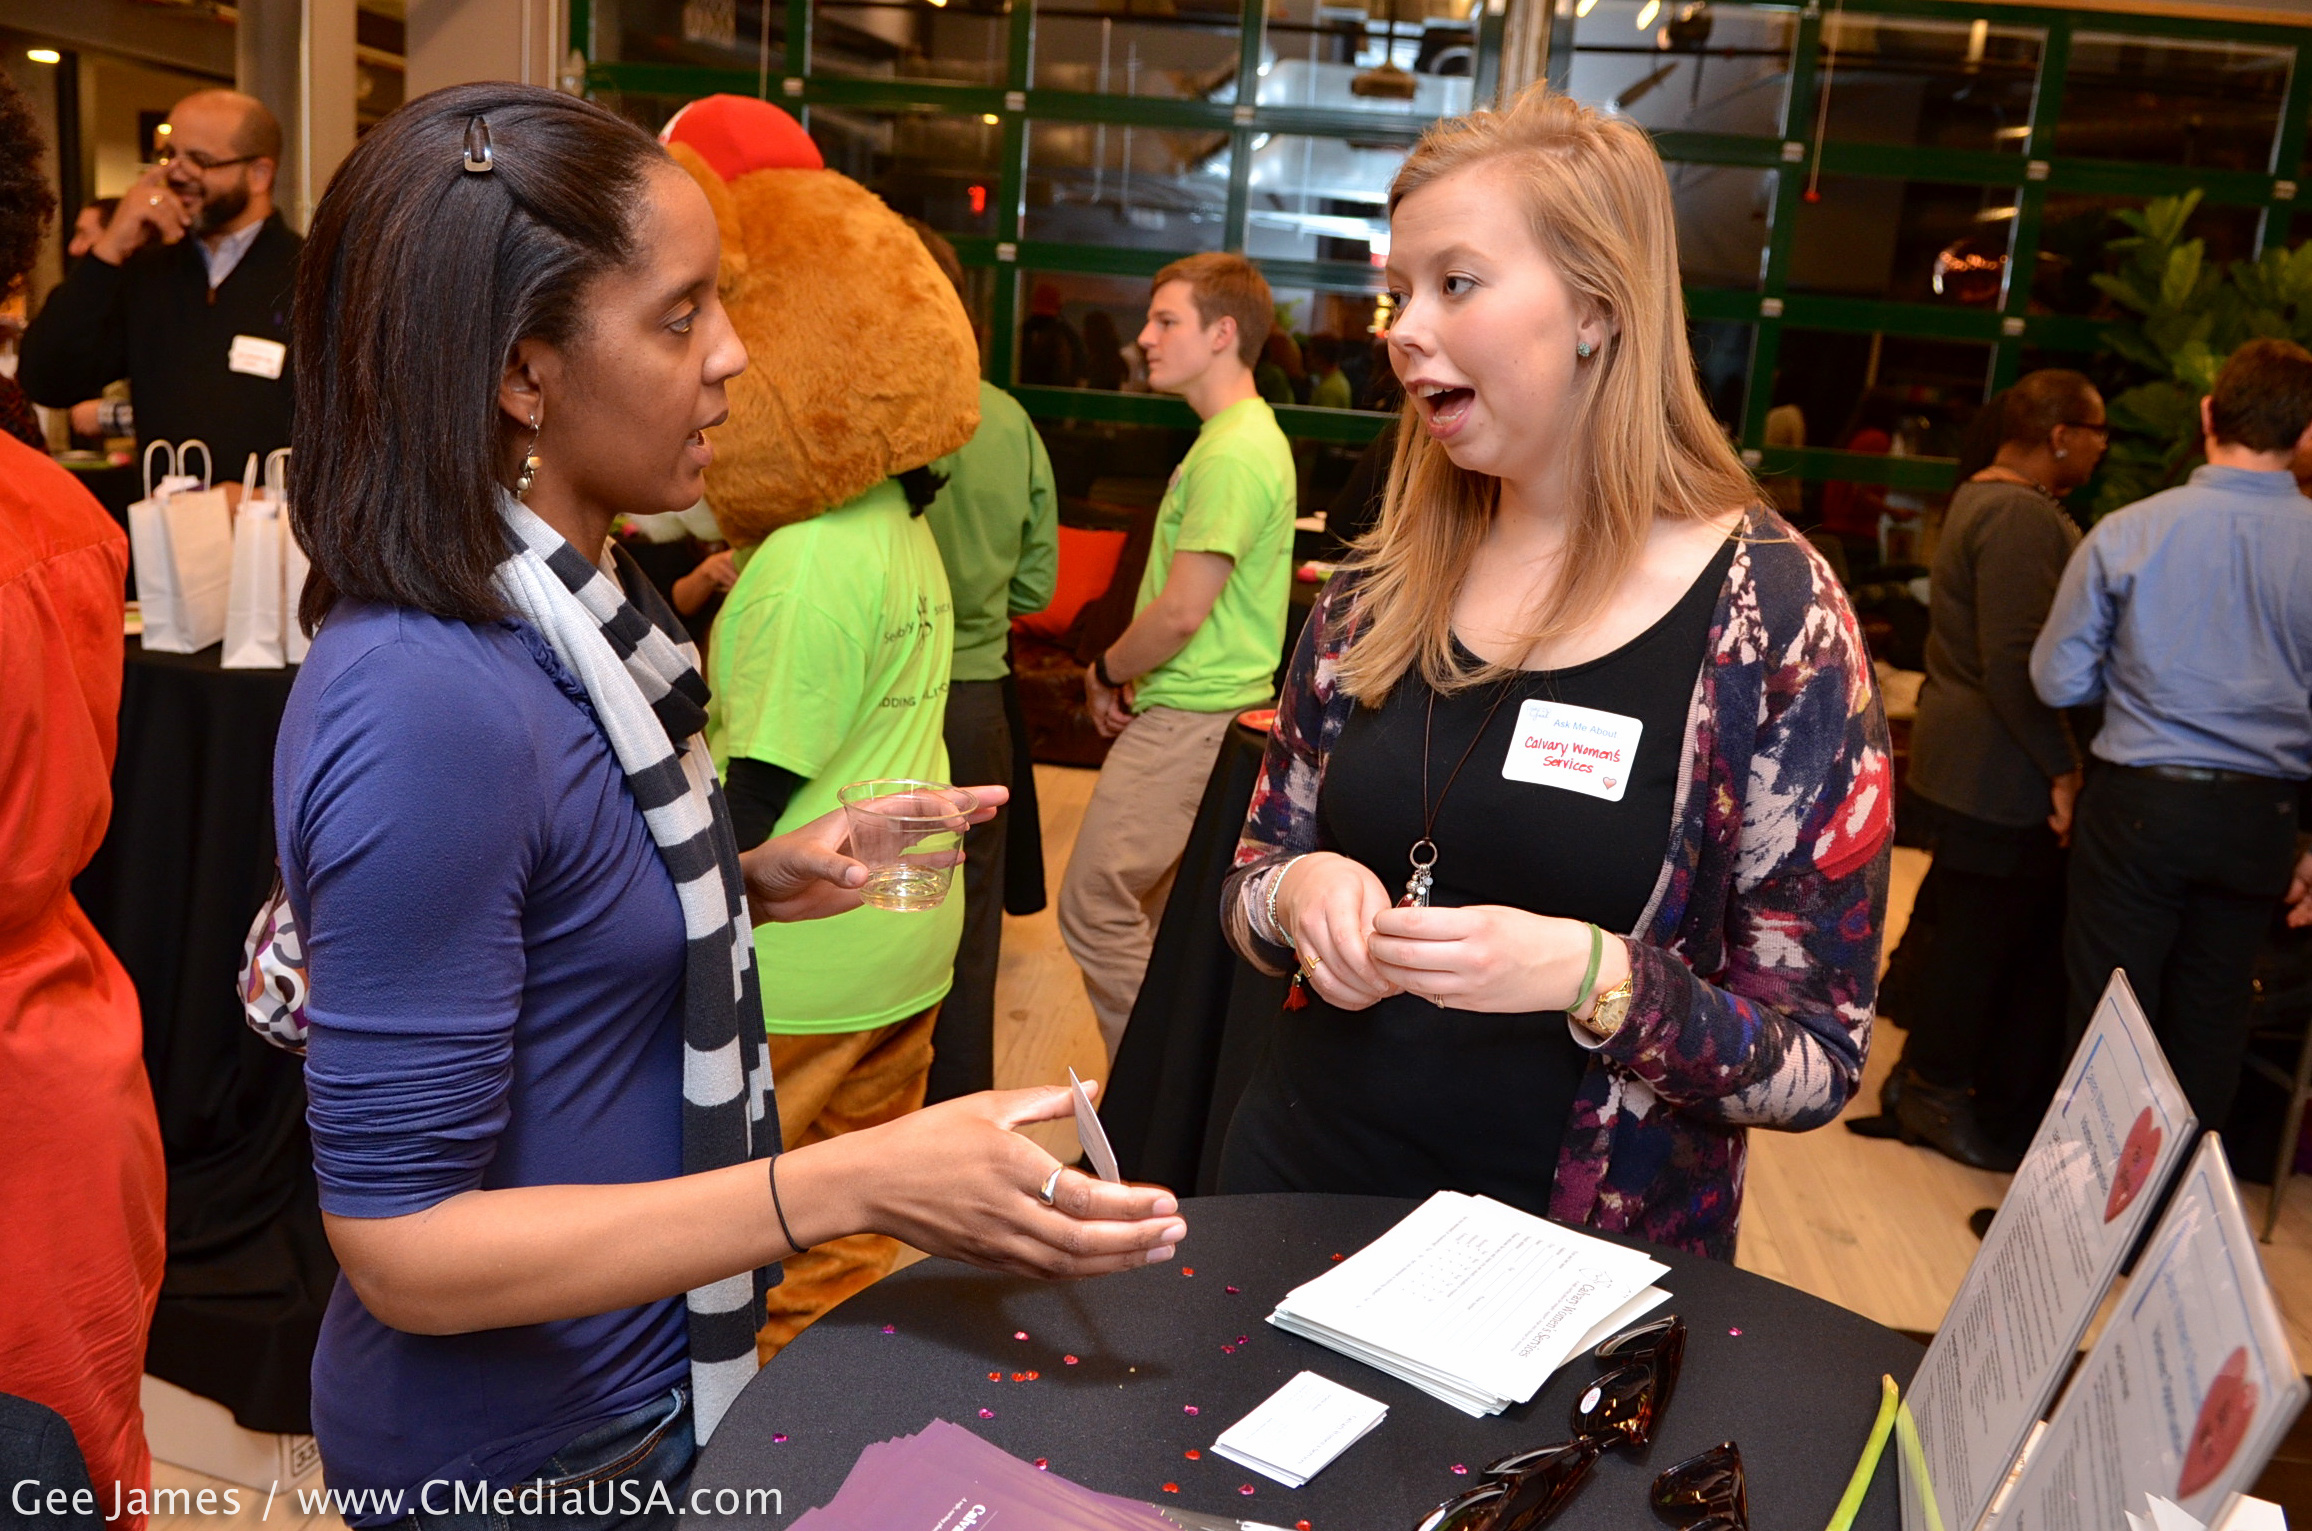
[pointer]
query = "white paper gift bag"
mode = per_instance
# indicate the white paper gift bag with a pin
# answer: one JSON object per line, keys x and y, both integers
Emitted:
{"x": 294, "y": 565}
{"x": 253, "y": 608}
{"x": 181, "y": 539}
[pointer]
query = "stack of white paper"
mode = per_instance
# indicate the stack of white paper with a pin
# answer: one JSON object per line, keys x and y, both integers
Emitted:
{"x": 1472, "y": 1301}
{"x": 1304, "y": 1425}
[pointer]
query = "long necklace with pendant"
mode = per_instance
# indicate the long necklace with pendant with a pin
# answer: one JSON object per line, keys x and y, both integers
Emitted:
{"x": 1423, "y": 855}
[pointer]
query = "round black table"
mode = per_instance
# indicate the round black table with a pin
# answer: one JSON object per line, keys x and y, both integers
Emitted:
{"x": 187, "y": 859}
{"x": 1792, "y": 1379}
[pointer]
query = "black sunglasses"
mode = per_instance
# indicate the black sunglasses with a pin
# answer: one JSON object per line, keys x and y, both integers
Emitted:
{"x": 1706, "y": 1492}
{"x": 1527, "y": 1488}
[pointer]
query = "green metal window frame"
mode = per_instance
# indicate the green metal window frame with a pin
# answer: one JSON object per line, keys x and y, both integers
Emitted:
{"x": 2008, "y": 327}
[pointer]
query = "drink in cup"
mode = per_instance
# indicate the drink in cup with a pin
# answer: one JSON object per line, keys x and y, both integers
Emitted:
{"x": 909, "y": 834}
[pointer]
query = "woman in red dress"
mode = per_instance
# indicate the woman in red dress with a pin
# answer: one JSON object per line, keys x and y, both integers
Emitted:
{"x": 81, "y": 1193}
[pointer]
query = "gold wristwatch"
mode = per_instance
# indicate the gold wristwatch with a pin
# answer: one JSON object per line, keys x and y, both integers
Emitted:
{"x": 1610, "y": 1008}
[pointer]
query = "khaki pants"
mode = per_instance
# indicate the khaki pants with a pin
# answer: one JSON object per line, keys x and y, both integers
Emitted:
{"x": 829, "y": 1084}
{"x": 1134, "y": 830}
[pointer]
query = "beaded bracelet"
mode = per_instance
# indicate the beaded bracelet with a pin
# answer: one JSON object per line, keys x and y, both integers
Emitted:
{"x": 1276, "y": 881}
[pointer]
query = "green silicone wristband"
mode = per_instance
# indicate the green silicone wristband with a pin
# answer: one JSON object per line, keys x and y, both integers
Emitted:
{"x": 1589, "y": 976}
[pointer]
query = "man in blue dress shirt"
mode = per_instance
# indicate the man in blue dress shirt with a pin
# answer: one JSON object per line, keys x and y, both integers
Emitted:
{"x": 2189, "y": 616}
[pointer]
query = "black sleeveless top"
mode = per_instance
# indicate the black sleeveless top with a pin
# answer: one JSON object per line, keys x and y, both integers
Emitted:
{"x": 1406, "y": 1098}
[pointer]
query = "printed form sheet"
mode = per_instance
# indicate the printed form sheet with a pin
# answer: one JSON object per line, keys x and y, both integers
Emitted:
{"x": 2110, "y": 1140}
{"x": 2187, "y": 1392}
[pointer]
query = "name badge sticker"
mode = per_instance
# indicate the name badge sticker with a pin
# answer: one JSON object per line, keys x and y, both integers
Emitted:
{"x": 1581, "y": 749}
{"x": 256, "y": 356}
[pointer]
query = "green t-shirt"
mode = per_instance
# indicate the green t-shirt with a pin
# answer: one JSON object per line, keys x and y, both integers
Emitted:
{"x": 998, "y": 525}
{"x": 1332, "y": 391}
{"x": 1233, "y": 493}
{"x": 830, "y": 658}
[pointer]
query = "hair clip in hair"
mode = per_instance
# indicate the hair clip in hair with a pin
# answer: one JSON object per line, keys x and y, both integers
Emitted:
{"x": 478, "y": 157}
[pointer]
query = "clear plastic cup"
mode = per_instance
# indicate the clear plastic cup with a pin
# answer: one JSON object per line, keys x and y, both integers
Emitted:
{"x": 909, "y": 835}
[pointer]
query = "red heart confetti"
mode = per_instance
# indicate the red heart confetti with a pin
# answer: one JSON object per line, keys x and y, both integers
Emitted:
{"x": 780, "y": 1439}
{"x": 995, "y": 1376}
{"x": 1019, "y": 1334}
{"x": 1187, "y": 1270}
{"x": 1019, "y": 1376}
{"x": 1032, "y": 1376}
{"x": 1188, "y": 1408}
{"x": 1194, "y": 1455}
{"x": 1245, "y": 1489}
{"x": 1459, "y": 1471}
{"x": 1171, "y": 1488}
{"x": 1300, "y": 1525}
{"x": 1230, "y": 1290}
{"x": 1043, "y": 1464}
{"x": 1336, "y": 1255}
{"x": 1071, "y": 1360}
{"x": 987, "y": 1414}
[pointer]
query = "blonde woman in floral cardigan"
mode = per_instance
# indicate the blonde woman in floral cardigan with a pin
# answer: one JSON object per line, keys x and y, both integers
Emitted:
{"x": 1575, "y": 816}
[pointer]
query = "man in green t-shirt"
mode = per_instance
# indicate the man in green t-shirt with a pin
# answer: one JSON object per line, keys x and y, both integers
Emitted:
{"x": 998, "y": 527}
{"x": 1208, "y": 628}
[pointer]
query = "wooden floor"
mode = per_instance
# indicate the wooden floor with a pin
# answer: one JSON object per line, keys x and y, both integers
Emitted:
{"x": 1872, "y": 1226}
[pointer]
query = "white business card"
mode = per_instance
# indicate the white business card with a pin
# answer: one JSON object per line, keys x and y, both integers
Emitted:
{"x": 1302, "y": 1427}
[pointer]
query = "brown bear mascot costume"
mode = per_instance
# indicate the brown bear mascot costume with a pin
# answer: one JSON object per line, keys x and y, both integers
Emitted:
{"x": 829, "y": 661}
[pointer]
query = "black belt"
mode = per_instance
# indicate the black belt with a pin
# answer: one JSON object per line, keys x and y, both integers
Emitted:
{"x": 2206, "y": 775}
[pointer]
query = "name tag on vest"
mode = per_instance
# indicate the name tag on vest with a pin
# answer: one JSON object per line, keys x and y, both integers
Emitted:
{"x": 1581, "y": 749}
{"x": 256, "y": 356}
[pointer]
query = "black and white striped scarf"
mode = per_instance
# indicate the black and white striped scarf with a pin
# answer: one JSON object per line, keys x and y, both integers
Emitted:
{"x": 626, "y": 647}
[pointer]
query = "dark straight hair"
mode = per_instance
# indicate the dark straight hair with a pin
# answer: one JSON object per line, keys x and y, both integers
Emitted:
{"x": 418, "y": 278}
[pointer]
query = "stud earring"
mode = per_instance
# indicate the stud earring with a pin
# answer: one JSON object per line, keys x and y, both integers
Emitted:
{"x": 1583, "y": 349}
{"x": 529, "y": 464}
{"x": 2062, "y": 452}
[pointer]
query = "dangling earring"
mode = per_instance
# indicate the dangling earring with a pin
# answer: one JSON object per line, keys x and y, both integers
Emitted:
{"x": 1582, "y": 349}
{"x": 529, "y": 464}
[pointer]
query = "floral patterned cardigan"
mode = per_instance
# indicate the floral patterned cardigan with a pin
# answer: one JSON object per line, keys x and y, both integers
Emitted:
{"x": 1756, "y": 961}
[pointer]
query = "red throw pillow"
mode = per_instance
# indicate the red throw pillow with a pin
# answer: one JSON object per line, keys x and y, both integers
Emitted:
{"x": 1087, "y": 567}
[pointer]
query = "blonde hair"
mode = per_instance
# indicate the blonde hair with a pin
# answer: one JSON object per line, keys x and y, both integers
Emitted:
{"x": 1599, "y": 207}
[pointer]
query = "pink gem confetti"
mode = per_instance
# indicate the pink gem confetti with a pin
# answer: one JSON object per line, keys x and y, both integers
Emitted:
{"x": 890, "y": 1328}
{"x": 1228, "y": 1350}
{"x": 1043, "y": 1464}
{"x": 780, "y": 1439}
{"x": 1244, "y": 1339}
{"x": 1019, "y": 1334}
{"x": 1459, "y": 1470}
{"x": 1245, "y": 1489}
{"x": 1071, "y": 1360}
{"x": 1735, "y": 1332}
{"x": 987, "y": 1414}
{"x": 1231, "y": 1291}
{"x": 1188, "y": 1408}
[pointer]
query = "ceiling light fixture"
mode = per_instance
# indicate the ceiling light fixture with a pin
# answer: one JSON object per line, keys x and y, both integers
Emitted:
{"x": 44, "y": 55}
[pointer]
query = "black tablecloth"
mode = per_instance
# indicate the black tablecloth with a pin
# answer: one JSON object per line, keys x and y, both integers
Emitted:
{"x": 1792, "y": 1379}
{"x": 186, "y": 860}
{"x": 1203, "y": 1013}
